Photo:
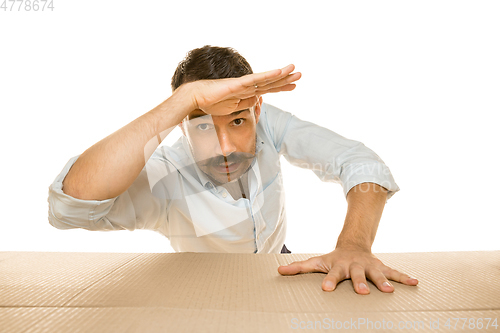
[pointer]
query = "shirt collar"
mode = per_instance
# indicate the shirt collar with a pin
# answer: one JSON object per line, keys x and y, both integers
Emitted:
{"x": 204, "y": 180}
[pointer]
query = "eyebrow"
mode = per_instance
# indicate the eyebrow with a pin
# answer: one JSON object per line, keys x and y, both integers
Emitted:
{"x": 233, "y": 114}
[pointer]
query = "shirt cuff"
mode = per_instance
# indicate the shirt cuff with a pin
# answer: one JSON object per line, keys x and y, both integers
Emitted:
{"x": 67, "y": 212}
{"x": 378, "y": 173}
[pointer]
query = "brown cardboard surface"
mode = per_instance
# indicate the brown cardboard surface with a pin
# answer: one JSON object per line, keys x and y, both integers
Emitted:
{"x": 186, "y": 292}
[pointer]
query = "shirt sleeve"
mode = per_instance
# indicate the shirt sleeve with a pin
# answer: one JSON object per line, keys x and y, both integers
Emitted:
{"x": 139, "y": 207}
{"x": 332, "y": 157}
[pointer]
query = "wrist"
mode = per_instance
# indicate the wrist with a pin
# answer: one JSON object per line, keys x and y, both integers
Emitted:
{"x": 172, "y": 111}
{"x": 353, "y": 245}
{"x": 185, "y": 95}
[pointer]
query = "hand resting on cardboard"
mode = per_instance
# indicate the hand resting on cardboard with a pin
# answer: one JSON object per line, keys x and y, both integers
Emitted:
{"x": 349, "y": 263}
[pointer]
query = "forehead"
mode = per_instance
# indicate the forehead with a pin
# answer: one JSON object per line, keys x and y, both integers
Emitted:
{"x": 198, "y": 113}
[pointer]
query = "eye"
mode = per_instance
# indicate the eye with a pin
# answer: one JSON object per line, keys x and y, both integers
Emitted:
{"x": 204, "y": 127}
{"x": 239, "y": 121}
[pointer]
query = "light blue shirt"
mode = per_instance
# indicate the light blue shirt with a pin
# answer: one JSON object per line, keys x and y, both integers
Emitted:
{"x": 174, "y": 197}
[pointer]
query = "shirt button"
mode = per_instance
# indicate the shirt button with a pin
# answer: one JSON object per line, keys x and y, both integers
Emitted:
{"x": 224, "y": 194}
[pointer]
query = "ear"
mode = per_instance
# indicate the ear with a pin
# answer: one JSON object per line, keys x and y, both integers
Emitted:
{"x": 257, "y": 109}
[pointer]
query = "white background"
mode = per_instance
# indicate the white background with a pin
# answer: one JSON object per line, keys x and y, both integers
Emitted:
{"x": 417, "y": 82}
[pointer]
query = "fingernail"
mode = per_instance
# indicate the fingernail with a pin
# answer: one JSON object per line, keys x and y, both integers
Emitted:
{"x": 386, "y": 284}
{"x": 328, "y": 285}
{"x": 362, "y": 286}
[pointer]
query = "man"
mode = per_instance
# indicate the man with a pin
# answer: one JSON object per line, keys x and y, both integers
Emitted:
{"x": 219, "y": 187}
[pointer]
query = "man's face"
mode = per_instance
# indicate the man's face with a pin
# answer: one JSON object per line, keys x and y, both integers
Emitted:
{"x": 223, "y": 146}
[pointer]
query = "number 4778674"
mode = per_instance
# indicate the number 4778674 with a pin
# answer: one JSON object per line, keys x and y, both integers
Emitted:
{"x": 27, "y": 5}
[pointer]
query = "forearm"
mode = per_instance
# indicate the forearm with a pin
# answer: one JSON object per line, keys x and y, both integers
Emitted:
{"x": 352, "y": 258}
{"x": 109, "y": 167}
{"x": 366, "y": 203}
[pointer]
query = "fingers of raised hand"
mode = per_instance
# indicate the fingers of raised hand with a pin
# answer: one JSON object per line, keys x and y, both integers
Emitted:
{"x": 259, "y": 80}
{"x": 231, "y": 105}
{"x": 209, "y": 93}
{"x": 277, "y": 85}
{"x": 288, "y": 87}
{"x": 247, "y": 102}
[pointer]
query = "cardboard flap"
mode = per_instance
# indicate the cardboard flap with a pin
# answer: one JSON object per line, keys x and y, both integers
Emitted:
{"x": 109, "y": 292}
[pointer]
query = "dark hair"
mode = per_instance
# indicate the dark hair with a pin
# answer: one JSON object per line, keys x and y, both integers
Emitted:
{"x": 208, "y": 63}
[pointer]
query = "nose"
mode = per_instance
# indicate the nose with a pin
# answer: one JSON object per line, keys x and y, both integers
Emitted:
{"x": 225, "y": 145}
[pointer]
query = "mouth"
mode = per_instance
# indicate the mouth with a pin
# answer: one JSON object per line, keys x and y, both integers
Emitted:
{"x": 227, "y": 168}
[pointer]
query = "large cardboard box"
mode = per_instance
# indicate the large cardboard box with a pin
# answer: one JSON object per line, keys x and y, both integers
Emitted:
{"x": 198, "y": 292}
